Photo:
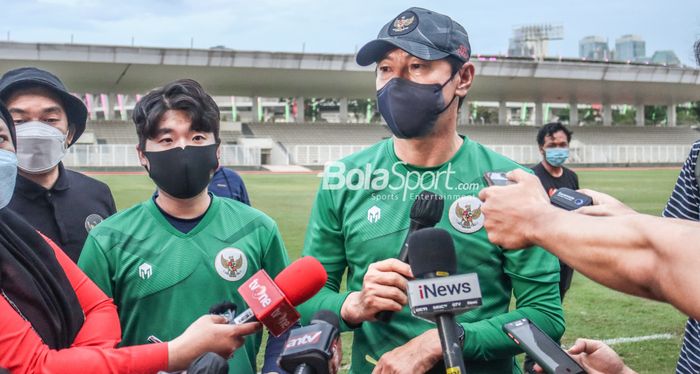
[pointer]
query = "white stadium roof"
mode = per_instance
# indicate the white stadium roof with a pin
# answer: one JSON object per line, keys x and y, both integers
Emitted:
{"x": 131, "y": 70}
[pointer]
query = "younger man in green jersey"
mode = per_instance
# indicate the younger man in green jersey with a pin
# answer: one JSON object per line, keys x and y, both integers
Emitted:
{"x": 167, "y": 260}
{"x": 361, "y": 214}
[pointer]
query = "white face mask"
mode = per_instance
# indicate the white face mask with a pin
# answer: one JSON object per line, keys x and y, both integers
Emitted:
{"x": 40, "y": 147}
{"x": 8, "y": 176}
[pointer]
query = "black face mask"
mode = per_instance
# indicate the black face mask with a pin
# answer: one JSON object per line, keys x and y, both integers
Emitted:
{"x": 183, "y": 173}
{"x": 411, "y": 109}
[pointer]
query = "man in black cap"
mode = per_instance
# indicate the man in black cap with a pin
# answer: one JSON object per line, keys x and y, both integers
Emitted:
{"x": 62, "y": 204}
{"x": 363, "y": 209}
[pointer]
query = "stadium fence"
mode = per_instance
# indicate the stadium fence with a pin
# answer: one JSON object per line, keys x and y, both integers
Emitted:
{"x": 124, "y": 155}
{"x": 525, "y": 154}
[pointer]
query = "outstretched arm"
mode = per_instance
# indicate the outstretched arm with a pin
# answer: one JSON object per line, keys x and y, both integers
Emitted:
{"x": 633, "y": 253}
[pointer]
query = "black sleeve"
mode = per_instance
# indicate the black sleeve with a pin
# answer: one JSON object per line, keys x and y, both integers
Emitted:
{"x": 112, "y": 205}
{"x": 108, "y": 199}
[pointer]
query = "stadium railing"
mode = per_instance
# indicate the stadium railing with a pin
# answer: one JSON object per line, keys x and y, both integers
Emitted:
{"x": 124, "y": 155}
{"x": 314, "y": 155}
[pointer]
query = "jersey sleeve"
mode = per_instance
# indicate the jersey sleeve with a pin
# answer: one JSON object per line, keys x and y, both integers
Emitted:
{"x": 325, "y": 241}
{"x": 534, "y": 275}
{"x": 275, "y": 257}
{"x": 93, "y": 348}
{"x": 25, "y": 352}
{"x": 101, "y": 326}
{"x": 93, "y": 261}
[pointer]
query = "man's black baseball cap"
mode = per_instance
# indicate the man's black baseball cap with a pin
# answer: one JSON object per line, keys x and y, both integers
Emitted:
{"x": 420, "y": 32}
{"x": 31, "y": 77}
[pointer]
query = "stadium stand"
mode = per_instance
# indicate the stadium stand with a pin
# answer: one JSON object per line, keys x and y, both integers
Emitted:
{"x": 291, "y": 134}
{"x": 123, "y": 132}
{"x": 317, "y": 143}
{"x": 112, "y": 132}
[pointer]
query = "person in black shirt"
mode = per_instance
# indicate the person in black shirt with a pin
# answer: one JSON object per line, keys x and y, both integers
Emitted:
{"x": 553, "y": 140}
{"x": 62, "y": 204}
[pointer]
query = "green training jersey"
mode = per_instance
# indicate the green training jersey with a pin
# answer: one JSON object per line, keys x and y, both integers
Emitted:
{"x": 361, "y": 216}
{"x": 162, "y": 280}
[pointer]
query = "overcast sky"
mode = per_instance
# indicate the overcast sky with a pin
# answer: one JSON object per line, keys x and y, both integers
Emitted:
{"x": 340, "y": 26}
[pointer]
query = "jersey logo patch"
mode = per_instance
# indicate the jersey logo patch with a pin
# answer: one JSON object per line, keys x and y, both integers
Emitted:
{"x": 92, "y": 220}
{"x": 465, "y": 214}
{"x": 145, "y": 270}
{"x": 374, "y": 214}
{"x": 231, "y": 264}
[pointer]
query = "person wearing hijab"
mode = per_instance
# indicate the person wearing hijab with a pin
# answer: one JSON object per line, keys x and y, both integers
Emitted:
{"x": 54, "y": 319}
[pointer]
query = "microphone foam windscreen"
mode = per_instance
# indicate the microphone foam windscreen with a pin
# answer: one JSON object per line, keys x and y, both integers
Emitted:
{"x": 326, "y": 316}
{"x": 302, "y": 279}
{"x": 427, "y": 208}
{"x": 431, "y": 250}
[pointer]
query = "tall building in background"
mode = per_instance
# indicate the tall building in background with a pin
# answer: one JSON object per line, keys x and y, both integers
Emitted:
{"x": 533, "y": 40}
{"x": 594, "y": 48}
{"x": 630, "y": 48}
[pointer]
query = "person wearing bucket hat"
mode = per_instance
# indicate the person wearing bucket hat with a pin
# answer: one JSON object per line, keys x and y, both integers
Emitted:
{"x": 64, "y": 205}
{"x": 357, "y": 226}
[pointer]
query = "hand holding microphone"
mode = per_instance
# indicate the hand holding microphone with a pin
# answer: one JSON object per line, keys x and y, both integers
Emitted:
{"x": 271, "y": 302}
{"x": 383, "y": 288}
{"x": 384, "y": 285}
{"x": 209, "y": 333}
{"x": 426, "y": 212}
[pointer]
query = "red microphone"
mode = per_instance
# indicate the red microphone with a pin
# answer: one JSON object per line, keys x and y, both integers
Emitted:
{"x": 272, "y": 302}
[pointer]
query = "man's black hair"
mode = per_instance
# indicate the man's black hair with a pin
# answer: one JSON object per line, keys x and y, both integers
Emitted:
{"x": 550, "y": 129}
{"x": 184, "y": 94}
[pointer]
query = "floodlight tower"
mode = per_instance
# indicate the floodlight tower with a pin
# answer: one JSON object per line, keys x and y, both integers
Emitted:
{"x": 535, "y": 38}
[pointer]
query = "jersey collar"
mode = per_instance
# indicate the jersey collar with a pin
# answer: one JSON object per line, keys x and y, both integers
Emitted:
{"x": 208, "y": 217}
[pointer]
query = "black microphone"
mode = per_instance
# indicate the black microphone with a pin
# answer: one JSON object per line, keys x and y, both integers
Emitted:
{"x": 437, "y": 294}
{"x": 310, "y": 349}
{"x": 208, "y": 363}
{"x": 426, "y": 211}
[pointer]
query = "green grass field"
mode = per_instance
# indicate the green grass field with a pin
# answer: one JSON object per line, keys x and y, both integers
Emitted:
{"x": 590, "y": 309}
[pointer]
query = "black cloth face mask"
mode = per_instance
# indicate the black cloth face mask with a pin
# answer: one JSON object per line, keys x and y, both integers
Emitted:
{"x": 411, "y": 109}
{"x": 183, "y": 173}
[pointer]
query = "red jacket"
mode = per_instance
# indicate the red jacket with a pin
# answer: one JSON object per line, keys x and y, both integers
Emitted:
{"x": 23, "y": 351}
